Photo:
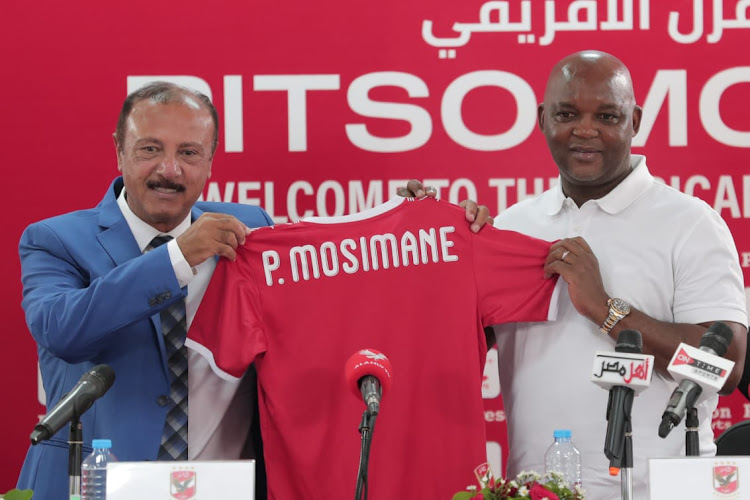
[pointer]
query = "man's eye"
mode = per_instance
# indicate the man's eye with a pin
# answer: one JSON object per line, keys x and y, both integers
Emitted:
{"x": 608, "y": 117}
{"x": 565, "y": 114}
{"x": 189, "y": 152}
{"x": 149, "y": 149}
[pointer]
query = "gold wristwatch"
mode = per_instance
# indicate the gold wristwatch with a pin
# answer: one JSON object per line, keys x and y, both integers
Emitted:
{"x": 618, "y": 309}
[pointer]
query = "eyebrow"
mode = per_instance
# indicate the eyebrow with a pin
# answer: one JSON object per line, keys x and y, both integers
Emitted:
{"x": 604, "y": 107}
{"x": 146, "y": 140}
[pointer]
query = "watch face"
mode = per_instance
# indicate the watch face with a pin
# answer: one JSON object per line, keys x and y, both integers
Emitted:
{"x": 620, "y": 306}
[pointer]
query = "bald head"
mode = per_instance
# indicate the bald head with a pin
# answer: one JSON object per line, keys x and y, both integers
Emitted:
{"x": 595, "y": 67}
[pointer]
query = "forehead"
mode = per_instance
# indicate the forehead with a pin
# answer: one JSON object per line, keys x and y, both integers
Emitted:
{"x": 184, "y": 119}
{"x": 575, "y": 85}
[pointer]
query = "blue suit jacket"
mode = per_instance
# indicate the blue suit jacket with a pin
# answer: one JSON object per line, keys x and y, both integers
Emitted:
{"x": 88, "y": 297}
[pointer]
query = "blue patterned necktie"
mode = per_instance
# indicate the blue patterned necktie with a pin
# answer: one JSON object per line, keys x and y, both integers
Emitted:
{"x": 174, "y": 440}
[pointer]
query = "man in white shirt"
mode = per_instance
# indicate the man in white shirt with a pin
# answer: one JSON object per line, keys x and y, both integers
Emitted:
{"x": 635, "y": 254}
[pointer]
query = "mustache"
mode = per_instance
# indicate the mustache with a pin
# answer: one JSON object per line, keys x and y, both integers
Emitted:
{"x": 165, "y": 184}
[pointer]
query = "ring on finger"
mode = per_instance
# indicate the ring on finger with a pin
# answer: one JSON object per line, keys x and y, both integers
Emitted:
{"x": 565, "y": 254}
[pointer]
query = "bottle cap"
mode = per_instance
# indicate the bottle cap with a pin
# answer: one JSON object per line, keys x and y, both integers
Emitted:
{"x": 101, "y": 443}
{"x": 562, "y": 433}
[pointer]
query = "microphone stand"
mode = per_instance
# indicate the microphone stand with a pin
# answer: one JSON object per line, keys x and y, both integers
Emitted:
{"x": 624, "y": 464}
{"x": 692, "y": 443}
{"x": 75, "y": 453}
{"x": 620, "y": 452}
{"x": 626, "y": 469}
{"x": 366, "y": 429}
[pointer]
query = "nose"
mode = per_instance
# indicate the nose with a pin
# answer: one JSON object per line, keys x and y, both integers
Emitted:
{"x": 585, "y": 128}
{"x": 169, "y": 168}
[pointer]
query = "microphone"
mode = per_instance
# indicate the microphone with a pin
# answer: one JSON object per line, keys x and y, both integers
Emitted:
{"x": 368, "y": 373}
{"x": 696, "y": 370}
{"x": 625, "y": 373}
{"x": 92, "y": 385}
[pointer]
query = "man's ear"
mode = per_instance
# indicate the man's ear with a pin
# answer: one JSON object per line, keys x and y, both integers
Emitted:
{"x": 540, "y": 116}
{"x": 117, "y": 152}
{"x": 637, "y": 114}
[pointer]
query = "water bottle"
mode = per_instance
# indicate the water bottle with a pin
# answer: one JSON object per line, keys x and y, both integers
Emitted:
{"x": 563, "y": 457}
{"x": 94, "y": 470}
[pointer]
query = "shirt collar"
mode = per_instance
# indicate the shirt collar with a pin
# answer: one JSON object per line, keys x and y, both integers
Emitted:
{"x": 625, "y": 193}
{"x": 142, "y": 231}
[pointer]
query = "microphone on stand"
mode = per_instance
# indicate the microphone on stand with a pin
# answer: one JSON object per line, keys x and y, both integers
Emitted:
{"x": 368, "y": 373}
{"x": 626, "y": 372}
{"x": 91, "y": 386}
{"x": 698, "y": 370}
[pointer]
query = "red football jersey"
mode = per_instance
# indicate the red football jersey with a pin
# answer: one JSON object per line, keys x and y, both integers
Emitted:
{"x": 407, "y": 278}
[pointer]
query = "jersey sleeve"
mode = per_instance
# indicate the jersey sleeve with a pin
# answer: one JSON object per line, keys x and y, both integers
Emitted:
{"x": 228, "y": 328}
{"x": 511, "y": 286}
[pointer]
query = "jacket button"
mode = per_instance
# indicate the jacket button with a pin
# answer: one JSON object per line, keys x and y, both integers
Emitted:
{"x": 162, "y": 400}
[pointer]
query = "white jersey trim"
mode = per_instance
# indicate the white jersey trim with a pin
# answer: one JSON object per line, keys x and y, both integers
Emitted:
{"x": 209, "y": 356}
{"x": 359, "y": 216}
{"x": 554, "y": 300}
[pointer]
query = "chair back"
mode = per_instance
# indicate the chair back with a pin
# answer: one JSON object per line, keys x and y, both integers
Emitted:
{"x": 735, "y": 440}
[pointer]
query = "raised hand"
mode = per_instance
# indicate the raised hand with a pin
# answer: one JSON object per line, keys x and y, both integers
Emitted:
{"x": 212, "y": 234}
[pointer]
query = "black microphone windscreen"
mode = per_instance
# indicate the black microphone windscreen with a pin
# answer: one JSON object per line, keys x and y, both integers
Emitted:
{"x": 102, "y": 376}
{"x": 629, "y": 341}
{"x": 717, "y": 338}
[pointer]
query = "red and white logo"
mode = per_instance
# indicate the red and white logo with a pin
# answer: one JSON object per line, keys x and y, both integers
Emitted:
{"x": 484, "y": 475}
{"x": 372, "y": 355}
{"x": 182, "y": 484}
{"x": 683, "y": 358}
{"x": 725, "y": 479}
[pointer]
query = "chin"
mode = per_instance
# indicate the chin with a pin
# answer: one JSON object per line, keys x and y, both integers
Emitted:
{"x": 583, "y": 176}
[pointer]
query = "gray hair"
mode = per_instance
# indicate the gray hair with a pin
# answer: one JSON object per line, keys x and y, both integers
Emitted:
{"x": 164, "y": 93}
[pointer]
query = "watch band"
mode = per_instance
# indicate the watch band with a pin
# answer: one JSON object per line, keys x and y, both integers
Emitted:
{"x": 618, "y": 309}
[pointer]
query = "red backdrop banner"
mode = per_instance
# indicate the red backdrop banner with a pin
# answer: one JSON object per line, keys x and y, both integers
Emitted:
{"x": 327, "y": 106}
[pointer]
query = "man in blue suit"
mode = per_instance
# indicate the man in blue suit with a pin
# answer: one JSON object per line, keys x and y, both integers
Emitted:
{"x": 93, "y": 291}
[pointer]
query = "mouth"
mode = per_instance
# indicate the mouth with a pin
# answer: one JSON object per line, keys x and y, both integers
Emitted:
{"x": 166, "y": 187}
{"x": 585, "y": 153}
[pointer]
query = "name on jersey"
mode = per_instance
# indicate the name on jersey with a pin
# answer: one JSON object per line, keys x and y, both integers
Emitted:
{"x": 363, "y": 254}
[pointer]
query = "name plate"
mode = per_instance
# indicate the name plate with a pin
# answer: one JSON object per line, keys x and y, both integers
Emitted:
{"x": 197, "y": 480}
{"x": 699, "y": 478}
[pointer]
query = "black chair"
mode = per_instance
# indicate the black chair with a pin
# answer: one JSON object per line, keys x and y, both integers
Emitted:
{"x": 735, "y": 440}
{"x": 744, "y": 384}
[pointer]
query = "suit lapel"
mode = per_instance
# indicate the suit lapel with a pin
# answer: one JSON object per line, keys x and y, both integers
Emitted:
{"x": 118, "y": 241}
{"x": 116, "y": 238}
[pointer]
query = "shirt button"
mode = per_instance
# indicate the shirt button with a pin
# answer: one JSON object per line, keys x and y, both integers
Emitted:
{"x": 162, "y": 400}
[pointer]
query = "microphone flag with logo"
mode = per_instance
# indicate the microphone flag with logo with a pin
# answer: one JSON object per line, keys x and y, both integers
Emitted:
{"x": 368, "y": 373}
{"x": 700, "y": 372}
{"x": 625, "y": 373}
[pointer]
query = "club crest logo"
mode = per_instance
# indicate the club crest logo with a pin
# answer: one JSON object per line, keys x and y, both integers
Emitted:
{"x": 726, "y": 481}
{"x": 484, "y": 475}
{"x": 182, "y": 484}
